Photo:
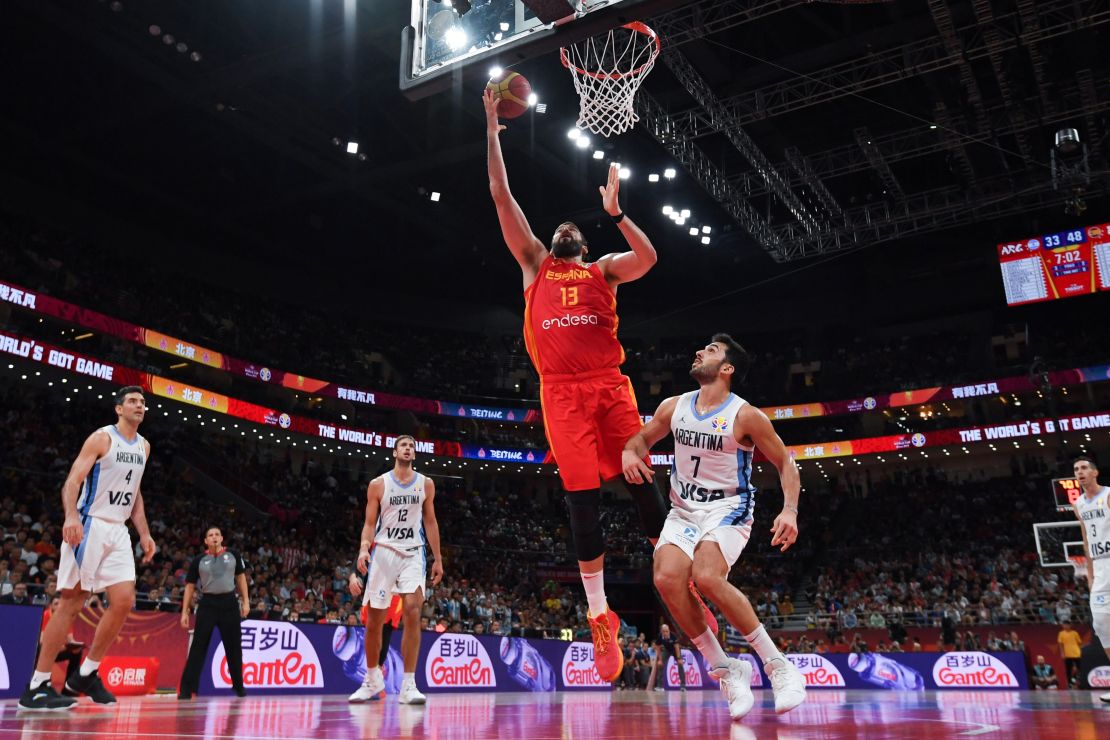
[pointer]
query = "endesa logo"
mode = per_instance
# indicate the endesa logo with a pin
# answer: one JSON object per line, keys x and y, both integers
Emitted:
{"x": 578, "y": 666}
{"x": 975, "y": 669}
{"x": 276, "y": 655}
{"x": 1099, "y": 678}
{"x": 817, "y": 671}
{"x": 569, "y": 320}
{"x": 689, "y": 667}
{"x": 459, "y": 661}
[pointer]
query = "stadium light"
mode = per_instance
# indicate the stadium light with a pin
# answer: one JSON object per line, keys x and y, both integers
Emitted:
{"x": 667, "y": 210}
{"x": 705, "y": 240}
{"x": 693, "y": 231}
{"x": 574, "y": 133}
{"x": 624, "y": 173}
{"x": 706, "y": 230}
{"x": 669, "y": 173}
{"x": 435, "y": 197}
{"x": 653, "y": 177}
{"x": 598, "y": 154}
{"x": 582, "y": 142}
{"x": 352, "y": 147}
{"x": 685, "y": 213}
{"x": 495, "y": 72}
{"x": 533, "y": 99}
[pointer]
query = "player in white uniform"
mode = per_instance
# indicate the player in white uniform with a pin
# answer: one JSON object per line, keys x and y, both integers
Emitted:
{"x": 712, "y": 496}
{"x": 100, "y": 494}
{"x": 1093, "y": 510}
{"x": 400, "y": 523}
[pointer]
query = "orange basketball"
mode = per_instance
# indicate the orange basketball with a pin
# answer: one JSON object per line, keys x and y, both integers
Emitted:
{"x": 512, "y": 89}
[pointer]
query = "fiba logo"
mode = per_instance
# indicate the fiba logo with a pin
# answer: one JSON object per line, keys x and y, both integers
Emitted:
{"x": 1095, "y": 232}
{"x": 918, "y": 440}
{"x": 719, "y": 424}
{"x": 115, "y": 676}
{"x": 869, "y": 403}
{"x": 1099, "y": 678}
{"x": 265, "y": 374}
{"x": 1033, "y": 245}
{"x": 284, "y": 421}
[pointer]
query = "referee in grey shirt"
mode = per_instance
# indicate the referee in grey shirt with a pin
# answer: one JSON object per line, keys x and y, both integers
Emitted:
{"x": 217, "y": 573}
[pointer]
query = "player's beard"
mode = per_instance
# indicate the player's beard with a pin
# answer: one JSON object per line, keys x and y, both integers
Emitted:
{"x": 566, "y": 248}
{"x": 705, "y": 373}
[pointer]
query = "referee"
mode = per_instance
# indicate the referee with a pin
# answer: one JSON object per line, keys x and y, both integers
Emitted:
{"x": 217, "y": 573}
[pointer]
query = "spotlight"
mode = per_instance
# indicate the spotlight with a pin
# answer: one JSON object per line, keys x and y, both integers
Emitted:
{"x": 533, "y": 99}
{"x": 705, "y": 240}
{"x": 1067, "y": 140}
{"x": 685, "y": 213}
{"x": 598, "y": 154}
{"x": 495, "y": 73}
{"x": 155, "y": 30}
{"x": 541, "y": 108}
{"x": 693, "y": 231}
{"x": 456, "y": 38}
{"x": 667, "y": 210}
{"x": 352, "y": 147}
{"x": 168, "y": 39}
{"x": 498, "y": 36}
{"x": 582, "y": 142}
{"x": 624, "y": 173}
{"x": 195, "y": 56}
{"x": 669, "y": 173}
{"x": 182, "y": 47}
{"x": 706, "y": 230}
{"x": 435, "y": 197}
{"x": 504, "y": 26}
{"x": 653, "y": 177}
{"x": 574, "y": 133}
{"x": 681, "y": 220}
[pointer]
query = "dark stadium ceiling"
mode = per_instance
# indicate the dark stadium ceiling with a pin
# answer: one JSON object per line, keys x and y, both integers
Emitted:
{"x": 797, "y": 129}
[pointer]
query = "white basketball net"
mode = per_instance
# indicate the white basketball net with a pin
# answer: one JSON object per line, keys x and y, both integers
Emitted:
{"x": 607, "y": 71}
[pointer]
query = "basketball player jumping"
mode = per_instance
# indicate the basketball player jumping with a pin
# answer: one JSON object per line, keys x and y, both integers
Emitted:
{"x": 712, "y": 501}
{"x": 1092, "y": 508}
{"x": 400, "y": 522}
{"x": 589, "y": 410}
{"x": 99, "y": 495}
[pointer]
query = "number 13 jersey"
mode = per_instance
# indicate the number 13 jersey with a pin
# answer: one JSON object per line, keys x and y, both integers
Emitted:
{"x": 401, "y": 516}
{"x": 109, "y": 491}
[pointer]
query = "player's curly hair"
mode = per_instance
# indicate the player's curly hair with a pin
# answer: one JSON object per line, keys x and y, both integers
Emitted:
{"x": 735, "y": 355}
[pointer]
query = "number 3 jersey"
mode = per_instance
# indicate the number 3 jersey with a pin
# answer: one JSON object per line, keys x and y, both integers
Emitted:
{"x": 109, "y": 491}
{"x": 401, "y": 516}
{"x": 1094, "y": 513}
{"x": 711, "y": 469}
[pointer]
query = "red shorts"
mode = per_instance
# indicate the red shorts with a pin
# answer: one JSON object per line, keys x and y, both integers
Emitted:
{"x": 588, "y": 418}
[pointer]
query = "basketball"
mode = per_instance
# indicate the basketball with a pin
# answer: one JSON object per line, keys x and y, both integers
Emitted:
{"x": 512, "y": 90}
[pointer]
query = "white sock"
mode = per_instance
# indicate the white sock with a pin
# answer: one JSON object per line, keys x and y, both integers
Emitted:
{"x": 39, "y": 677}
{"x": 763, "y": 645}
{"x": 594, "y": 583}
{"x": 710, "y": 649}
{"x": 410, "y": 677}
{"x": 89, "y": 666}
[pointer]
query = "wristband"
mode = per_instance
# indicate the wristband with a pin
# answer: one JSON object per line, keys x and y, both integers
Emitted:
{"x": 618, "y": 218}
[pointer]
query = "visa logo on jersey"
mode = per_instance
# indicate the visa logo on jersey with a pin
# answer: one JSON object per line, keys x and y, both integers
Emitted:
{"x": 120, "y": 498}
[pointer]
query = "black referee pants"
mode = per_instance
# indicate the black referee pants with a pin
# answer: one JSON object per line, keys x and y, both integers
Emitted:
{"x": 215, "y": 610}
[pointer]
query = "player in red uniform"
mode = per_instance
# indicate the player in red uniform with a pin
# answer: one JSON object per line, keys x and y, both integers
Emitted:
{"x": 589, "y": 409}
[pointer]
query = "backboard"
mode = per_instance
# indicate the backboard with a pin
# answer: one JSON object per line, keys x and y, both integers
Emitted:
{"x": 1058, "y": 542}
{"x": 449, "y": 41}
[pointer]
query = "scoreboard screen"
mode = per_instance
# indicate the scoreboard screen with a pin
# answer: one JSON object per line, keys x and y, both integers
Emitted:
{"x": 1062, "y": 265}
{"x": 1067, "y": 492}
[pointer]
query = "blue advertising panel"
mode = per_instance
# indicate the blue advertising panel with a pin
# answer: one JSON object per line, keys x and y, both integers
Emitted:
{"x": 284, "y": 657}
{"x": 18, "y": 641}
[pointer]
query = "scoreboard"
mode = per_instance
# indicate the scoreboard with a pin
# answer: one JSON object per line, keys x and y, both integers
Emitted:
{"x": 1066, "y": 491}
{"x": 1062, "y": 265}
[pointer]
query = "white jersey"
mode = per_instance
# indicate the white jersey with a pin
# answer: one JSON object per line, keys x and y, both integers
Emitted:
{"x": 1094, "y": 513}
{"x": 711, "y": 469}
{"x": 110, "y": 490}
{"x": 401, "y": 515}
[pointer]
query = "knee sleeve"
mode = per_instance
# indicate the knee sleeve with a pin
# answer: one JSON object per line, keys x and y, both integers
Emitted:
{"x": 1100, "y": 622}
{"x": 651, "y": 506}
{"x": 585, "y": 523}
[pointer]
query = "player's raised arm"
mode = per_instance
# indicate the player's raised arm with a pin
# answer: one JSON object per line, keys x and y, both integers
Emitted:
{"x": 528, "y": 250}
{"x": 95, "y": 447}
{"x": 754, "y": 423}
{"x": 626, "y": 266}
{"x": 632, "y": 459}
{"x": 374, "y": 493}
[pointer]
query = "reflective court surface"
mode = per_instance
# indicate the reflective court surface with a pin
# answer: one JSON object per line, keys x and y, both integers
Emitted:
{"x": 559, "y": 716}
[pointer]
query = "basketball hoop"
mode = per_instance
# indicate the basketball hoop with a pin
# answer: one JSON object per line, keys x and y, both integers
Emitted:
{"x": 608, "y": 70}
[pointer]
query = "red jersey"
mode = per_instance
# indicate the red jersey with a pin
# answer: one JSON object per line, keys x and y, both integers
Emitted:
{"x": 570, "y": 320}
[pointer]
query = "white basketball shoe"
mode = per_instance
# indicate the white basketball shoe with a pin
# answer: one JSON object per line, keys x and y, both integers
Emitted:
{"x": 736, "y": 684}
{"x": 788, "y": 682}
{"x": 410, "y": 694}
{"x": 372, "y": 685}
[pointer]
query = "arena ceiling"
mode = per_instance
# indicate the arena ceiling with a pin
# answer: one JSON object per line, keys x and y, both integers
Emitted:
{"x": 801, "y": 132}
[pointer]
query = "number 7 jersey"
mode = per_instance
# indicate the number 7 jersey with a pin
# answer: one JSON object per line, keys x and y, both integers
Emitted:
{"x": 710, "y": 466}
{"x": 109, "y": 491}
{"x": 401, "y": 515}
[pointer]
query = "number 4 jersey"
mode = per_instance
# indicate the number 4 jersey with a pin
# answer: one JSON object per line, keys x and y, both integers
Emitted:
{"x": 401, "y": 516}
{"x": 711, "y": 469}
{"x": 109, "y": 491}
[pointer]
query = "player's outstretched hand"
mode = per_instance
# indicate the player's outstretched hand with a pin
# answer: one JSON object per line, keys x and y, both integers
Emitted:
{"x": 72, "y": 532}
{"x": 785, "y": 530}
{"x": 635, "y": 469}
{"x": 363, "y": 561}
{"x": 610, "y": 191}
{"x": 437, "y": 572}
{"x": 490, "y": 101}
{"x": 149, "y": 548}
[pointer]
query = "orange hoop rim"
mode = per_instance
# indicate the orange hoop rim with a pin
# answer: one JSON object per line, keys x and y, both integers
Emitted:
{"x": 636, "y": 26}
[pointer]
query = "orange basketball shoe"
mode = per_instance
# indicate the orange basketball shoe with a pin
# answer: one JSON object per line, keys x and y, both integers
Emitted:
{"x": 608, "y": 656}
{"x": 710, "y": 620}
